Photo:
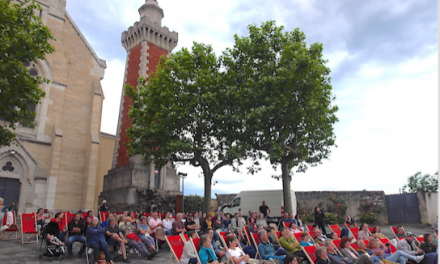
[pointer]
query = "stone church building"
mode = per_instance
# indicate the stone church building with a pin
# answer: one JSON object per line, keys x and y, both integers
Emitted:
{"x": 56, "y": 164}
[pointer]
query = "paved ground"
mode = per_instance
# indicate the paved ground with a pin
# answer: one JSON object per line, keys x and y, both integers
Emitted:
{"x": 14, "y": 252}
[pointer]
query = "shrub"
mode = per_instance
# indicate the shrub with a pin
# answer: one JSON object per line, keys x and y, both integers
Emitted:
{"x": 369, "y": 211}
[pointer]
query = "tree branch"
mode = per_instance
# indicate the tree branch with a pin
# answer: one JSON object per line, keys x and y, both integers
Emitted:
{"x": 223, "y": 163}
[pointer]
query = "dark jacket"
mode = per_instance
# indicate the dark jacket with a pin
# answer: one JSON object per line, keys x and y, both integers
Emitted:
{"x": 80, "y": 225}
{"x": 53, "y": 229}
{"x": 322, "y": 261}
{"x": 95, "y": 235}
{"x": 428, "y": 248}
{"x": 345, "y": 232}
{"x": 319, "y": 217}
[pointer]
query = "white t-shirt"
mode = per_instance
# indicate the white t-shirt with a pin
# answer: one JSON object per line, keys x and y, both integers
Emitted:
{"x": 238, "y": 253}
{"x": 167, "y": 224}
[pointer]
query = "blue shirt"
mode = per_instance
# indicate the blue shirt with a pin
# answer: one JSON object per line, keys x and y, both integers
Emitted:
{"x": 265, "y": 249}
{"x": 288, "y": 220}
{"x": 227, "y": 223}
{"x": 104, "y": 224}
{"x": 306, "y": 244}
{"x": 143, "y": 227}
{"x": 205, "y": 254}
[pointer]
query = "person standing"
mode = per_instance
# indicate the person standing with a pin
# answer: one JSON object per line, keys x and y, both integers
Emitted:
{"x": 319, "y": 220}
{"x": 103, "y": 207}
{"x": 264, "y": 209}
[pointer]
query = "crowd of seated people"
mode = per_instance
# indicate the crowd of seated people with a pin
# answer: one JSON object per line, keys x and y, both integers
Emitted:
{"x": 128, "y": 232}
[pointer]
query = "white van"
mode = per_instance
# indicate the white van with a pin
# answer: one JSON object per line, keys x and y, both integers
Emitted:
{"x": 251, "y": 200}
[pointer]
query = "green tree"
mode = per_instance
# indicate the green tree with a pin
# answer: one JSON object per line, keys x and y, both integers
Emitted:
{"x": 180, "y": 115}
{"x": 23, "y": 38}
{"x": 427, "y": 183}
{"x": 193, "y": 203}
{"x": 283, "y": 97}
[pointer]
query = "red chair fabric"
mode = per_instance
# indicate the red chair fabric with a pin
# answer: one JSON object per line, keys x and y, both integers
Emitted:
{"x": 28, "y": 225}
{"x": 420, "y": 239}
{"x": 196, "y": 242}
{"x": 310, "y": 251}
{"x": 69, "y": 216}
{"x": 286, "y": 224}
{"x": 337, "y": 243}
{"x": 135, "y": 215}
{"x": 176, "y": 246}
{"x": 278, "y": 234}
{"x": 336, "y": 229}
{"x": 298, "y": 237}
{"x": 355, "y": 246}
{"x": 312, "y": 234}
{"x": 256, "y": 238}
{"x": 394, "y": 228}
{"x": 84, "y": 215}
{"x": 103, "y": 216}
{"x": 63, "y": 222}
{"x": 371, "y": 229}
{"x": 355, "y": 232}
{"x": 186, "y": 237}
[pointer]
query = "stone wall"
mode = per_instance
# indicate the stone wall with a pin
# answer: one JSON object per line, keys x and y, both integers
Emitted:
{"x": 352, "y": 198}
{"x": 428, "y": 206}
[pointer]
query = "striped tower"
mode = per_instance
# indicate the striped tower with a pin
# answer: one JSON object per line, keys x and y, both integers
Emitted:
{"x": 144, "y": 42}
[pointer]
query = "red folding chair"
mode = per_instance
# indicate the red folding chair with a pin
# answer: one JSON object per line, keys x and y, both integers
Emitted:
{"x": 256, "y": 241}
{"x": 63, "y": 223}
{"x": 28, "y": 226}
{"x": 135, "y": 215}
{"x": 175, "y": 244}
{"x": 394, "y": 229}
{"x": 225, "y": 246}
{"x": 298, "y": 237}
{"x": 13, "y": 228}
{"x": 312, "y": 234}
{"x": 184, "y": 237}
{"x": 69, "y": 217}
{"x": 310, "y": 227}
{"x": 337, "y": 243}
{"x": 196, "y": 243}
{"x": 310, "y": 253}
{"x": 336, "y": 229}
{"x": 371, "y": 229}
{"x": 84, "y": 215}
{"x": 355, "y": 232}
{"x": 354, "y": 246}
{"x": 287, "y": 225}
{"x": 248, "y": 237}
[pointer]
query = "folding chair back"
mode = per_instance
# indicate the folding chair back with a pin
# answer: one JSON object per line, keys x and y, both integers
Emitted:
{"x": 175, "y": 244}
{"x": 247, "y": 235}
{"x": 222, "y": 233}
{"x": 310, "y": 253}
{"x": 310, "y": 227}
{"x": 185, "y": 237}
{"x": 354, "y": 246}
{"x": 256, "y": 241}
{"x": 298, "y": 237}
{"x": 84, "y": 215}
{"x": 336, "y": 229}
{"x": 371, "y": 229}
{"x": 69, "y": 216}
{"x": 28, "y": 225}
{"x": 355, "y": 232}
{"x": 312, "y": 234}
{"x": 196, "y": 242}
{"x": 286, "y": 225}
{"x": 12, "y": 227}
{"x": 337, "y": 243}
{"x": 420, "y": 239}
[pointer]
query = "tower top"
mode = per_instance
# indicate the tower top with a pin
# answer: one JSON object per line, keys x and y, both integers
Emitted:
{"x": 152, "y": 11}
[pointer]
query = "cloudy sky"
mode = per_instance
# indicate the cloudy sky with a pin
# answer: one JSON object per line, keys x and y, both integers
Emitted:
{"x": 383, "y": 57}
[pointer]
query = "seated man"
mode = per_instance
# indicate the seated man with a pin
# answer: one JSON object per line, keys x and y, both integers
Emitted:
{"x": 266, "y": 249}
{"x": 408, "y": 246}
{"x": 261, "y": 221}
{"x": 96, "y": 241}
{"x": 335, "y": 258}
{"x": 128, "y": 230}
{"x": 190, "y": 225}
{"x": 178, "y": 225}
{"x": 400, "y": 232}
{"x": 104, "y": 224}
{"x": 76, "y": 231}
{"x": 144, "y": 233}
{"x": 218, "y": 252}
{"x": 362, "y": 249}
{"x": 291, "y": 219}
{"x": 319, "y": 238}
{"x": 289, "y": 245}
{"x": 115, "y": 237}
{"x": 321, "y": 255}
{"x": 283, "y": 220}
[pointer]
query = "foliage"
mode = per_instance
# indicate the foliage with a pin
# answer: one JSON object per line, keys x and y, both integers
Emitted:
{"x": 180, "y": 116}
{"x": 338, "y": 207}
{"x": 193, "y": 203}
{"x": 23, "y": 38}
{"x": 369, "y": 211}
{"x": 333, "y": 218}
{"x": 427, "y": 183}
{"x": 305, "y": 212}
{"x": 282, "y": 98}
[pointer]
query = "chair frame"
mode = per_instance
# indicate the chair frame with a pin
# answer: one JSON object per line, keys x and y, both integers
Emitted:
{"x": 12, "y": 231}
{"x": 257, "y": 255}
{"x": 339, "y": 235}
{"x": 173, "y": 254}
{"x": 195, "y": 250}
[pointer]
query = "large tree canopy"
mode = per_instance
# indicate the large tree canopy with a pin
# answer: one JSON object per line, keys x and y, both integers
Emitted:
{"x": 180, "y": 116}
{"x": 282, "y": 97}
{"x": 427, "y": 183}
{"x": 23, "y": 38}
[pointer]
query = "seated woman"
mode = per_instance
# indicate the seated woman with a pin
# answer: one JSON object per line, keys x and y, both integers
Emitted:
{"x": 261, "y": 221}
{"x": 321, "y": 255}
{"x": 206, "y": 223}
{"x": 291, "y": 259}
{"x": 189, "y": 254}
{"x": 206, "y": 254}
{"x": 294, "y": 228}
{"x": 429, "y": 248}
{"x": 377, "y": 233}
{"x": 363, "y": 232}
{"x": 52, "y": 234}
{"x": 398, "y": 256}
{"x": 251, "y": 226}
{"x": 40, "y": 218}
{"x": 218, "y": 224}
{"x": 235, "y": 253}
{"x": 299, "y": 223}
{"x": 346, "y": 251}
{"x": 306, "y": 240}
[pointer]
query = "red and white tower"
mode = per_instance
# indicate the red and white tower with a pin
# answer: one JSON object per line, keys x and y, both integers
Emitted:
{"x": 144, "y": 42}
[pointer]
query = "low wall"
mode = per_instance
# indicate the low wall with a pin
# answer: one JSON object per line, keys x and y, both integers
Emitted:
{"x": 428, "y": 206}
{"x": 352, "y": 199}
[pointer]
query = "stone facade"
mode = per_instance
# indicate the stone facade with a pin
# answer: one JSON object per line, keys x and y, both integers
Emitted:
{"x": 144, "y": 42}
{"x": 57, "y": 162}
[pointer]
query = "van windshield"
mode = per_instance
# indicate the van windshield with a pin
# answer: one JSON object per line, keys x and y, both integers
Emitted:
{"x": 235, "y": 202}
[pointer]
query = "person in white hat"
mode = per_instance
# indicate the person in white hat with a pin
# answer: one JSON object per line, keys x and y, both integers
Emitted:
{"x": 103, "y": 207}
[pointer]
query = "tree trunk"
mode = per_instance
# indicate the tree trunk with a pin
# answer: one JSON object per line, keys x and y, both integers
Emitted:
{"x": 286, "y": 187}
{"x": 207, "y": 197}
